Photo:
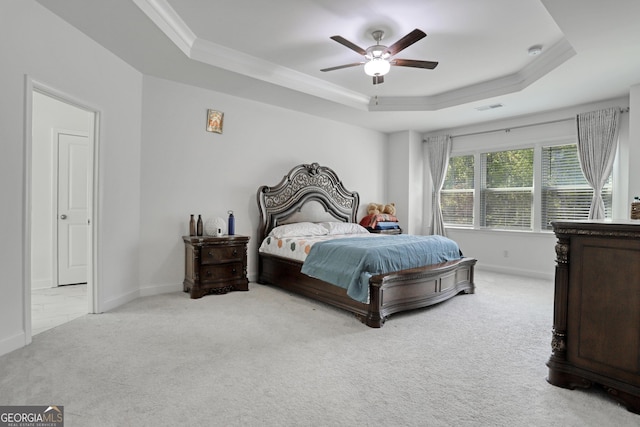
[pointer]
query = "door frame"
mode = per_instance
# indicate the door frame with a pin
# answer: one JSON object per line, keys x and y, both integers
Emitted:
{"x": 93, "y": 236}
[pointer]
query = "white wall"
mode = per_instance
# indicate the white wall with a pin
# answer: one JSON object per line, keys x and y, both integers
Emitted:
{"x": 37, "y": 44}
{"x": 186, "y": 170}
{"x": 530, "y": 253}
{"x": 49, "y": 115}
{"x": 405, "y": 180}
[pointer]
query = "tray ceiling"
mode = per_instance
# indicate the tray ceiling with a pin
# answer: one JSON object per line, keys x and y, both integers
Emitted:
{"x": 273, "y": 52}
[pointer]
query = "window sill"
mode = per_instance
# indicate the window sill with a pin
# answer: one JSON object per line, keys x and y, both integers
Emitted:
{"x": 499, "y": 231}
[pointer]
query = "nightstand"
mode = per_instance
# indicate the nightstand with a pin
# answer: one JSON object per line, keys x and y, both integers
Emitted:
{"x": 215, "y": 265}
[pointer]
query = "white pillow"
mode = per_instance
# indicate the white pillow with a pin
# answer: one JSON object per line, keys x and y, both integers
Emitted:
{"x": 344, "y": 228}
{"x": 298, "y": 229}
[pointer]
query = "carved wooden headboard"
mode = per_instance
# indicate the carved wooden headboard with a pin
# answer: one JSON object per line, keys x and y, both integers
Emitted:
{"x": 309, "y": 192}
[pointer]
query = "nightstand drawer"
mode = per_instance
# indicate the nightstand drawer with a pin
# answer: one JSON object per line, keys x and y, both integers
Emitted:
{"x": 216, "y": 272}
{"x": 217, "y": 254}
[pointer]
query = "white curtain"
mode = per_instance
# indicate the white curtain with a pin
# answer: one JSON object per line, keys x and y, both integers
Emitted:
{"x": 597, "y": 141}
{"x": 438, "y": 151}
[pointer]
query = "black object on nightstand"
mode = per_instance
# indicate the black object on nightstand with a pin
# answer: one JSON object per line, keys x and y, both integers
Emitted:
{"x": 215, "y": 265}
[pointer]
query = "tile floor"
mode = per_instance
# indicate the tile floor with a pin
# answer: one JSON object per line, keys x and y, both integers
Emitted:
{"x": 51, "y": 307}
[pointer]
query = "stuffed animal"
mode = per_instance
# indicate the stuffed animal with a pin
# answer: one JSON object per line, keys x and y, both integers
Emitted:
{"x": 389, "y": 209}
{"x": 374, "y": 209}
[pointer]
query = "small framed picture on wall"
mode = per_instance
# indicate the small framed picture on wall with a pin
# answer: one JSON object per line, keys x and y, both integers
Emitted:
{"x": 214, "y": 121}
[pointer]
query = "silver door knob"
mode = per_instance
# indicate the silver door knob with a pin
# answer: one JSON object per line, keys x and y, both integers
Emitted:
{"x": 63, "y": 216}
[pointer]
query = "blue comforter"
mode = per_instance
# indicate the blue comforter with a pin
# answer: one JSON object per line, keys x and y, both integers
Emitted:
{"x": 350, "y": 262}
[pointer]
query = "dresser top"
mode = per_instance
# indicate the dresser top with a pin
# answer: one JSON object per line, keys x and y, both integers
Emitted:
{"x": 237, "y": 238}
{"x": 628, "y": 228}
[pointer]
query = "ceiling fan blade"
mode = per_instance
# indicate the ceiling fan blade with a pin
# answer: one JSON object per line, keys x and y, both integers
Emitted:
{"x": 406, "y": 41}
{"x": 414, "y": 63}
{"x": 378, "y": 79}
{"x": 355, "y": 64}
{"x": 348, "y": 44}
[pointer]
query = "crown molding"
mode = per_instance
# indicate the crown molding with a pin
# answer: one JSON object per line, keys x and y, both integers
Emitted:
{"x": 555, "y": 56}
{"x": 241, "y": 63}
{"x": 171, "y": 24}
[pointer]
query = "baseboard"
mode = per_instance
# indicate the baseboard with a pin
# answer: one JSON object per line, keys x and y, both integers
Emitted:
{"x": 12, "y": 343}
{"x": 142, "y": 292}
{"x": 160, "y": 289}
{"x": 41, "y": 284}
{"x": 117, "y": 302}
{"x": 515, "y": 271}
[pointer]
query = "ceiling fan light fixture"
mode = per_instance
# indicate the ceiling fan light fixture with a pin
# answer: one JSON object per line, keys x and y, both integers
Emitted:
{"x": 377, "y": 51}
{"x": 377, "y": 67}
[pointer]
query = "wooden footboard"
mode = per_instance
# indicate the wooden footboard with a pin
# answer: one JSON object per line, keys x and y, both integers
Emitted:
{"x": 389, "y": 293}
{"x": 418, "y": 287}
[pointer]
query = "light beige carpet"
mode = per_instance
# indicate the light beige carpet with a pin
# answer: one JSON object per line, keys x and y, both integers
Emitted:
{"x": 267, "y": 358}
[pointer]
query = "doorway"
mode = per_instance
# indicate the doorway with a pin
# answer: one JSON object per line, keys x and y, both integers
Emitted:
{"x": 61, "y": 238}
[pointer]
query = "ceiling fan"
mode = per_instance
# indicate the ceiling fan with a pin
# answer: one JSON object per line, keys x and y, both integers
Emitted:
{"x": 379, "y": 57}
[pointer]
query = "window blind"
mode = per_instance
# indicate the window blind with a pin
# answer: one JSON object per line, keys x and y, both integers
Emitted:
{"x": 566, "y": 194}
{"x": 506, "y": 189}
{"x": 456, "y": 196}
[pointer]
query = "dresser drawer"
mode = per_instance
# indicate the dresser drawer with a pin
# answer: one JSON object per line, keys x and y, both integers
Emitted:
{"x": 217, "y": 272}
{"x": 218, "y": 254}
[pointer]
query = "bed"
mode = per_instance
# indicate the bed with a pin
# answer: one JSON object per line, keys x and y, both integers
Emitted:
{"x": 311, "y": 193}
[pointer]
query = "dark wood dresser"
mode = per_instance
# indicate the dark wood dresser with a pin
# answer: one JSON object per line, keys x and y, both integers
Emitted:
{"x": 215, "y": 264}
{"x": 596, "y": 319}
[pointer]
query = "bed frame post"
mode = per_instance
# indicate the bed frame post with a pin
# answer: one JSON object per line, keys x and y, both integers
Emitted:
{"x": 374, "y": 319}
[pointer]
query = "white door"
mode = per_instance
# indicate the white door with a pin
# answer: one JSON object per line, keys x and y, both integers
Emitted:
{"x": 73, "y": 158}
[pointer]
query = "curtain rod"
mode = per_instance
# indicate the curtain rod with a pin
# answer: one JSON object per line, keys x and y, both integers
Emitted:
{"x": 622, "y": 110}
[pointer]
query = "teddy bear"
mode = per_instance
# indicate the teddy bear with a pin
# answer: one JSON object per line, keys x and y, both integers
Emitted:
{"x": 374, "y": 209}
{"x": 389, "y": 209}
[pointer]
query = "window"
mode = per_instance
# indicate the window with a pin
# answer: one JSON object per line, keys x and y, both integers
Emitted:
{"x": 506, "y": 189}
{"x": 566, "y": 194}
{"x": 508, "y": 183}
{"x": 456, "y": 196}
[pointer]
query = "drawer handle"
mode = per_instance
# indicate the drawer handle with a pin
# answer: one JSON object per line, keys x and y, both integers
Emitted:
{"x": 233, "y": 270}
{"x": 235, "y": 252}
{"x": 210, "y": 253}
{"x": 208, "y": 273}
